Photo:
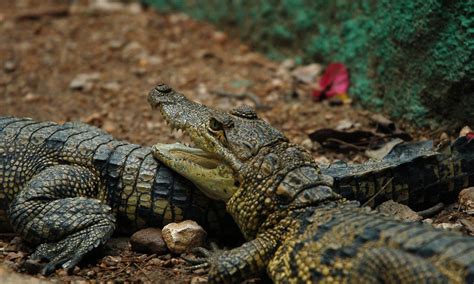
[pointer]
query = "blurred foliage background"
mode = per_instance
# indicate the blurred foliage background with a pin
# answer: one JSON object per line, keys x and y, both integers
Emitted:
{"x": 413, "y": 59}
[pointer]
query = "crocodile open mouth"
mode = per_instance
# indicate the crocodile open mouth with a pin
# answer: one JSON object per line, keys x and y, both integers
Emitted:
{"x": 206, "y": 170}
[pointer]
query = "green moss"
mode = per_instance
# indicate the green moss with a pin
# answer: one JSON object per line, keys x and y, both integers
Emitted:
{"x": 413, "y": 59}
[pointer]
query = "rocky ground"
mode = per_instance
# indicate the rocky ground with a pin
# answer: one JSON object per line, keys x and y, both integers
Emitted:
{"x": 95, "y": 62}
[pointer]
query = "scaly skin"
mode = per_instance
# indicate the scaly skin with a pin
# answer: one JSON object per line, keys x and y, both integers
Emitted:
{"x": 66, "y": 188}
{"x": 412, "y": 174}
{"x": 298, "y": 229}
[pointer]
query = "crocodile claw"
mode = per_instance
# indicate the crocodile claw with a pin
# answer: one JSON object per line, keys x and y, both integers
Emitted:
{"x": 204, "y": 257}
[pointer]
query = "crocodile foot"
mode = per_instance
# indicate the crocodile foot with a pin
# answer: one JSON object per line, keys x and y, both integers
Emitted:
{"x": 66, "y": 253}
{"x": 204, "y": 257}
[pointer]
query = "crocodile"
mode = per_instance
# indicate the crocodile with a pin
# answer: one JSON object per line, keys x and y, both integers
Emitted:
{"x": 298, "y": 229}
{"x": 66, "y": 188}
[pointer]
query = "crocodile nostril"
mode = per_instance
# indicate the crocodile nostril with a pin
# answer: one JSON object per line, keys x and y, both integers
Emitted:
{"x": 163, "y": 88}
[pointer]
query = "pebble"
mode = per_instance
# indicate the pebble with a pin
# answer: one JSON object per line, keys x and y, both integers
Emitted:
{"x": 9, "y": 66}
{"x": 392, "y": 208}
{"x": 183, "y": 236}
{"x": 149, "y": 240}
{"x": 344, "y": 124}
{"x": 30, "y": 97}
{"x": 307, "y": 143}
{"x": 219, "y": 37}
{"x": 84, "y": 81}
{"x": 466, "y": 200}
{"x": 116, "y": 44}
{"x": 111, "y": 86}
{"x": 448, "y": 226}
{"x": 307, "y": 74}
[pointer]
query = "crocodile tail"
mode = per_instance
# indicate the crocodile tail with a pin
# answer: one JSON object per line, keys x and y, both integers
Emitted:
{"x": 463, "y": 147}
{"x": 412, "y": 174}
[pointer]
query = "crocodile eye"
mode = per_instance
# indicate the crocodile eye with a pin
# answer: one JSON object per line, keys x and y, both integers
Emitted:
{"x": 215, "y": 125}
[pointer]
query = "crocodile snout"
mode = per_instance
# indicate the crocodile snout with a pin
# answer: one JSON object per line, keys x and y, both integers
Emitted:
{"x": 162, "y": 94}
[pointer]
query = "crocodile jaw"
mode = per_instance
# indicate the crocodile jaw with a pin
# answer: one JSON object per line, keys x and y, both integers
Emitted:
{"x": 213, "y": 177}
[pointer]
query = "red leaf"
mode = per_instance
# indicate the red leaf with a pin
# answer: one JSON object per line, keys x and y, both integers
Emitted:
{"x": 334, "y": 81}
{"x": 470, "y": 136}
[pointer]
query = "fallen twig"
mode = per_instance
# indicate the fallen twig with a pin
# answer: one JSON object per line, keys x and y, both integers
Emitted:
{"x": 347, "y": 144}
{"x": 143, "y": 272}
{"x": 378, "y": 192}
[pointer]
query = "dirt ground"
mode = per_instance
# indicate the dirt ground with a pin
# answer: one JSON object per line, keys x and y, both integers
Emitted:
{"x": 96, "y": 65}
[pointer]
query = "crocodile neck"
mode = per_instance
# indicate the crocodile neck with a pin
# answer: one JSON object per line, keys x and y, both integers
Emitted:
{"x": 280, "y": 179}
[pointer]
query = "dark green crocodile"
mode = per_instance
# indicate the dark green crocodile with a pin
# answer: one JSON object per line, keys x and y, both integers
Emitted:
{"x": 67, "y": 188}
{"x": 298, "y": 228}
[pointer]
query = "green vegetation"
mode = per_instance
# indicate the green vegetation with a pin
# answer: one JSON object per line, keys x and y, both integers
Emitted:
{"x": 413, "y": 59}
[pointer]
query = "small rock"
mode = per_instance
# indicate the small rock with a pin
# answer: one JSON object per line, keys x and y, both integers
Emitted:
{"x": 152, "y": 60}
{"x": 111, "y": 86}
{"x": 155, "y": 262}
{"x": 307, "y": 143}
{"x": 448, "y": 226}
{"x": 134, "y": 8}
{"x": 116, "y": 44}
{"x": 106, "y": 6}
{"x": 219, "y": 37}
{"x": 428, "y": 221}
{"x": 9, "y": 66}
{"x": 30, "y": 97}
{"x": 466, "y": 200}
{"x": 344, "y": 124}
{"x": 328, "y": 116}
{"x": 111, "y": 261}
{"x": 183, "y": 236}
{"x": 149, "y": 240}
{"x": 307, "y": 74}
{"x": 464, "y": 131}
{"x": 392, "y": 208}
{"x": 84, "y": 81}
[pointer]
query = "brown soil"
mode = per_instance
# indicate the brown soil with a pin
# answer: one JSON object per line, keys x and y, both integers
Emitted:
{"x": 44, "y": 47}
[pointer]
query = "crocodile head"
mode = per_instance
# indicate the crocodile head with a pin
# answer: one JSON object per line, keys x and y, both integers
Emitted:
{"x": 274, "y": 176}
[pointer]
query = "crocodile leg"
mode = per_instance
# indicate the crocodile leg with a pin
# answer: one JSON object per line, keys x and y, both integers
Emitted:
{"x": 54, "y": 210}
{"x": 245, "y": 261}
